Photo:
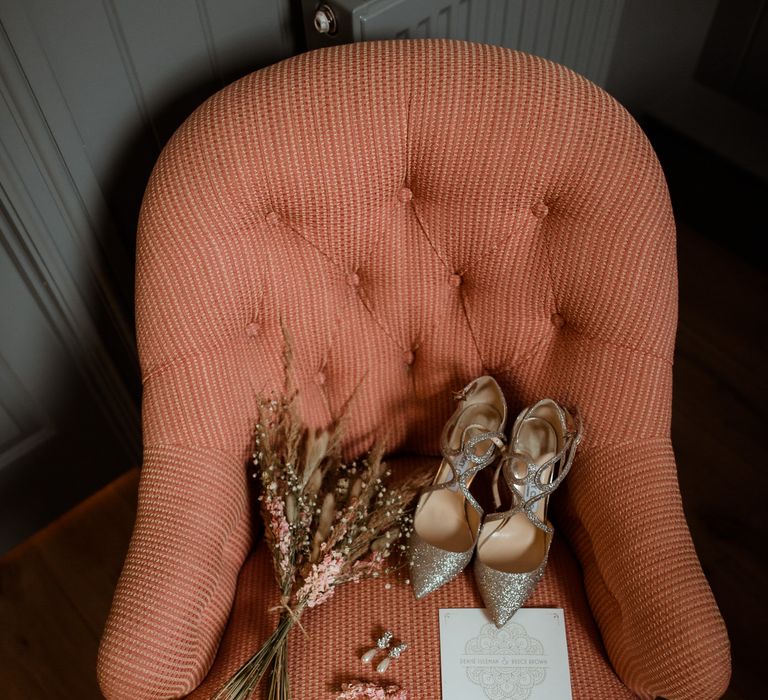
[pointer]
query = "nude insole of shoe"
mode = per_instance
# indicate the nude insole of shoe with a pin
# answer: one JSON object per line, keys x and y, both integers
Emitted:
{"x": 516, "y": 545}
{"x": 443, "y": 518}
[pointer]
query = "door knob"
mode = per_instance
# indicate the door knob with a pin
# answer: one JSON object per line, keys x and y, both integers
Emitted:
{"x": 325, "y": 20}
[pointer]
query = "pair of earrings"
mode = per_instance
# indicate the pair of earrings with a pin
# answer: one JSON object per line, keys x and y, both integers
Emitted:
{"x": 382, "y": 644}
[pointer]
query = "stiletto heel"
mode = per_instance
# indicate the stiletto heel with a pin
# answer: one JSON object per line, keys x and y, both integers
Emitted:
{"x": 513, "y": 545}
{"x": 448, "y": 517}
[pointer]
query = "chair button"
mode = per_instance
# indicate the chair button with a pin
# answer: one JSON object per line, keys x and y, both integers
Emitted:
{"x": 353, "y": 279}
{"x": 405, "y": 195}
{"x": 540, "y": 210}
{"x": 557, "y": 320}
{"x": 408, "y": 357}
{"x": 455, "y": 280}
{"x": 252, "y": 329}
{"x": 320, "y": 379}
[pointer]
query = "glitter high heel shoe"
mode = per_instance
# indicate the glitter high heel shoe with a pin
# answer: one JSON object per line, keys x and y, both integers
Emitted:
{"x": 447, "y": 517}
{"x": 513, "y": 545}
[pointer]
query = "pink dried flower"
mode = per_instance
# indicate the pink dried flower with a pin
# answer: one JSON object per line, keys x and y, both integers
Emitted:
{"x": 359, "y": 690}
{"x": 318, "y": 586}
{"x": 280, "y": 528}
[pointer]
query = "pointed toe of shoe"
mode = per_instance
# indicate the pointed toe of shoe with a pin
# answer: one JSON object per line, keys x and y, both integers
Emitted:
{"x": 421, "y": 586}
{"x": 422, "y": 582}
{"x": 432, "y": 567}
{"x": 505, "y": 593}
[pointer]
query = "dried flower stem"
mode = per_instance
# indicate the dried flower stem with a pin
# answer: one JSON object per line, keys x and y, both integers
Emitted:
{"x": 244, "y": 682}
{"x": 326, "y": 522}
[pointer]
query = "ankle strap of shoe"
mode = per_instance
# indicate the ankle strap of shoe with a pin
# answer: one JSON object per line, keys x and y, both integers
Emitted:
{"x": 533, "y": 488}
{"x": 465, "y": 464}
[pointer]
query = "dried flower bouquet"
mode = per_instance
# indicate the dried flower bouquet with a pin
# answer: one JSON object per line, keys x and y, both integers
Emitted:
{"x": 326, "y": 523}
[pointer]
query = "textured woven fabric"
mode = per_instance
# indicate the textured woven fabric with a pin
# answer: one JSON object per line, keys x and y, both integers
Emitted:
{"x": 414, "y": 214}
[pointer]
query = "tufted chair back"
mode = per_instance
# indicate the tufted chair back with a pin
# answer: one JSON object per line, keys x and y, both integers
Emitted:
{"x": 413, "y": 214}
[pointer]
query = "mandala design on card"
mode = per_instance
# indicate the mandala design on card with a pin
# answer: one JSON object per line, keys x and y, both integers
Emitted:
{"x": 501, "y": 662}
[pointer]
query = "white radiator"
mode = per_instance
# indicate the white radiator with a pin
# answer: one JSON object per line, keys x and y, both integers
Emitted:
{"x": 577, "y": 33}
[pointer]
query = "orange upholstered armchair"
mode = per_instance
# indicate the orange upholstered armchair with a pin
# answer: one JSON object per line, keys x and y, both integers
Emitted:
{"x": 416, "y": 213}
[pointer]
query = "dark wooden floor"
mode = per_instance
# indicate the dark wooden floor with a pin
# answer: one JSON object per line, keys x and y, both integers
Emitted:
{"x": 55, "y": 589}
{"x": 55, "y": 592}
{"x": 719, "y": 430}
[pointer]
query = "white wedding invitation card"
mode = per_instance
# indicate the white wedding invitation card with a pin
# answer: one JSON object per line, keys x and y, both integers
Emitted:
{"x": 527, "y": 659}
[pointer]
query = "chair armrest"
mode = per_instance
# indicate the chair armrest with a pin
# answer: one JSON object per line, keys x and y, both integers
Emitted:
{"x": 170, "y": 608}
{"x": 662, "y": 629}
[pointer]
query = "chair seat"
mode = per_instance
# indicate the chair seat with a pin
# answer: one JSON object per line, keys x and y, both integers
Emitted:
{"x": 342, "y": 628}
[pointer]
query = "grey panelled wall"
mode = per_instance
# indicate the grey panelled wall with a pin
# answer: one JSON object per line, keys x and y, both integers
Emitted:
{"x": 90, "y": 90}
{"x": 653, "y": 72}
